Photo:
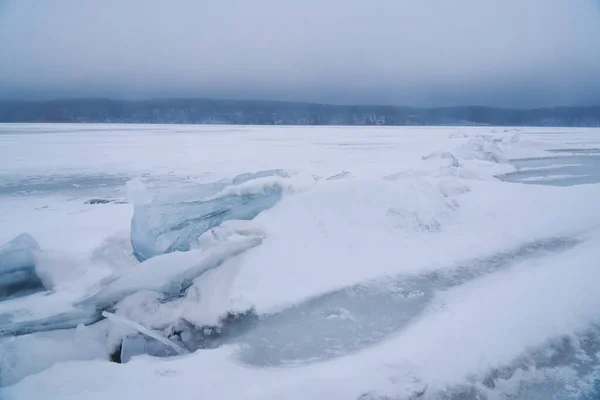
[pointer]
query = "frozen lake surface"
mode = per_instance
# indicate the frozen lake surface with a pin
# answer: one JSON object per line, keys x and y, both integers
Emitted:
{"x": 569, "y": 167}
{"x": 299, "y": 262}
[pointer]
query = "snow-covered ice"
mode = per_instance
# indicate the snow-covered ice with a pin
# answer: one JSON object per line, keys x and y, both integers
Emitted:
{"x": 299, "y": 262}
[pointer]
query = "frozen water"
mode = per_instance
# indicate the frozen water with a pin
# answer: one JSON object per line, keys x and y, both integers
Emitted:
{"x": 18, "y": 253}
{"x": 17, "y": 267}
{"x": 161, "y": 226}
{"x": 65, "y": 184}
{"x": 575, "y": 151}
{"x": 173, "y": 273}
{"x": 145, "y": 331}
{"x": 15, "y": 323}
{"x": 25, "y": 355}
{"x": 135, "y": 345}
{"x": 402, "y": 269}
{"x": 353, "y": 318}
{"x": 170, "y": 274}
{"x": 580, "y": 168}
{"x": 567, "y": 368}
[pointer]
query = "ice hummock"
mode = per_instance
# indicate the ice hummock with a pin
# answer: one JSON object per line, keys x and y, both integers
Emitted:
{"x": 169, "y": 274}
{"x": 168, "y": 222}
{"x": 17, "y": 267}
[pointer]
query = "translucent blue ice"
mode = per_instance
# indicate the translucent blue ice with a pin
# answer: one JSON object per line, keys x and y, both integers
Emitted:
{"x": 577, "y": 167}
{"x": 12, "y": 323}
{"x": 17, "y": 267}
{"x": 161, "y": 226}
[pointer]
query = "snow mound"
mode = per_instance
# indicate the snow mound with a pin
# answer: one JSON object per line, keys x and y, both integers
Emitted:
{"x": 479, "y": 157}
{"x": 485, "y": 148}
{"x": 426, "y": 212}
{"x": 341, "y": 224}
{"x": 168, "y": 222}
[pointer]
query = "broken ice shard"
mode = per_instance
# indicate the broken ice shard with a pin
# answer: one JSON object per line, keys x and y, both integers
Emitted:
{"x": 135, "y": 345}
{"x": 17, "y": 267}
{"x": 161, "y": 226}
{"x": 151, "y": 343}
{"x": 184, "y": 336}
{"x": 30, "y": 354}
{"x": 13, "y": 323}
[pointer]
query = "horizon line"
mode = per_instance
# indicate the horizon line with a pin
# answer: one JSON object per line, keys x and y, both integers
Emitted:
{"x": 305, "y": 103}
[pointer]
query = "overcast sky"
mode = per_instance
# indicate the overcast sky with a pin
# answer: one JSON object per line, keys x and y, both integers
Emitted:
{"x": 518, "y": 53}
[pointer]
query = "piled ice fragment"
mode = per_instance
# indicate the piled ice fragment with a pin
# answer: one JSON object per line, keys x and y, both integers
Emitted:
{"x": 168, "y": 222}
{"x": 177, "y": 235}
{"x": 17, "y": 267}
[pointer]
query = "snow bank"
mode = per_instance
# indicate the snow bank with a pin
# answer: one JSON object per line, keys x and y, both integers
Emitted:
{"x": 478, "y": 156}
{"x": 346, "y": 232}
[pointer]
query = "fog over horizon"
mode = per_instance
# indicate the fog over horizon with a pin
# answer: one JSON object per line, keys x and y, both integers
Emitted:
{"x": 510, "y": 53}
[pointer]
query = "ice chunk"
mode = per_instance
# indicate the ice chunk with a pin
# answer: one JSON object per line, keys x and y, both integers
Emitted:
{"x": 485, "y": 148}
{"x": 17, "y": 267}
{"x": 69, "y": 281}
{"x": 135, "y": 345}
{"x": 20, "y": 321}
{"x": 178, "y": 338}
{"x": 447, "y": 159}
{"x": 161, "y": 225}
{"x": 147, "y": 308}
{"x": 145, "y": 331}
{"x": 25, "y": 355}
{"x": 115, "y": 252}
{"x": 199, "y": 319}
{"x": 248, "y": 176}
{"x": 17, "y": 252}
{"x": 174, "y": 272}
{"x": 191, "y": 337}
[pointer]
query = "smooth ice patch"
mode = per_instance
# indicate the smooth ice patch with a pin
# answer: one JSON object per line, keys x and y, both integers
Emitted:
{"x": 580, "y": 168}
{"x": 351, "y": 319}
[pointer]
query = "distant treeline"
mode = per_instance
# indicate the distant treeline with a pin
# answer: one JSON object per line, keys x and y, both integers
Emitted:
{"x": 192, "y": 111}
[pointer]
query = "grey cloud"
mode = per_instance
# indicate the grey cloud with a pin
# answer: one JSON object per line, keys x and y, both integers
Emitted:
{"x": 414, "y": 52}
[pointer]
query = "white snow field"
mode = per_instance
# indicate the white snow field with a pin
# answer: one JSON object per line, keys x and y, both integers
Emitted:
{"x": 221, "y": 262}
